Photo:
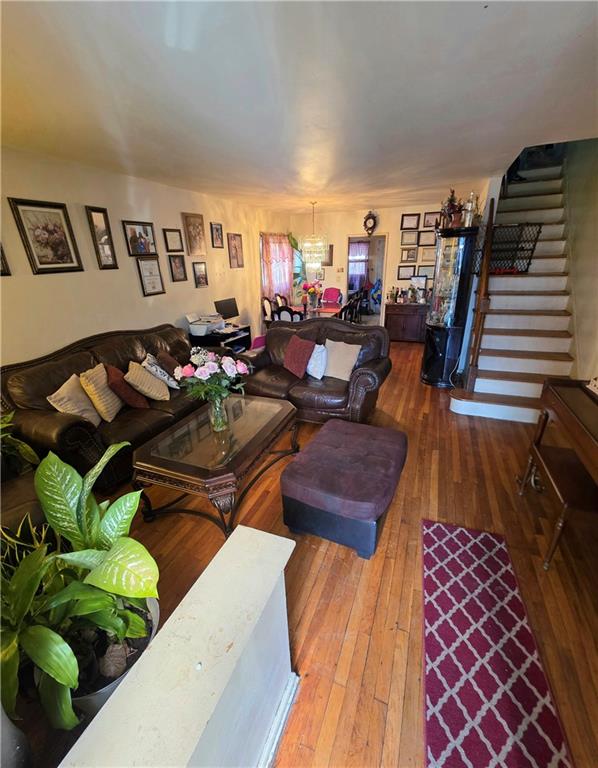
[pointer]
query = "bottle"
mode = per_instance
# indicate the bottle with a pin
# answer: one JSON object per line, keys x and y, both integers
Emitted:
{"x": 469, "y": 210}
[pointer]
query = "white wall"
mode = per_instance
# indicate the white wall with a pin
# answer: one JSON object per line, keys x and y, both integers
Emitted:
{"x": 41, "y": 313}
{"x": 582, "y": 217}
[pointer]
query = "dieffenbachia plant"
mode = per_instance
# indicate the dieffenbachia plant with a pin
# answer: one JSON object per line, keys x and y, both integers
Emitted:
{"x": 51, "y": 597}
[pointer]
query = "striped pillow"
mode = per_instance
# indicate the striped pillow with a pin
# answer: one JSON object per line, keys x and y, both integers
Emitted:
{"x": 146, "y": 383}
{"x": 105, "y": 401}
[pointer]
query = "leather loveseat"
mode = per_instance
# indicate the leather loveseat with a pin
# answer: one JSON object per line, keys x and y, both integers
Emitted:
{"x": 322, "y": 399}
{"x": 25, "y": 387}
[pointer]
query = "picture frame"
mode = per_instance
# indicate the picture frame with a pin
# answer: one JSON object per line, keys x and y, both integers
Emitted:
{"x": 4, "y": 268}
{"x": 101, "y": 236}
{"x": 408, "y": 255}
{"x": 320, "y": 274}
{"x": 140, "y": 238}
{"x": 200, "y": 273}
{"x": 409, "y": 237}
{"x": 426, "y": 270}
{"x": 405, "y": 273}
{"x": 426, "y": 238}
{"x": 216, "y": 235}
{"x": 428, "y": 255}
{"x": 410, "y": 221}
{"x": 47, "y": 235}
{"x": 178, "y": 268}
{"x": 430, "y": 219}
{"x": 150, "y": 275}
{"x": 235, "y": 250}
{"x": 328, "y": 261}
{"x": 419, "y": 282}
{"x": 173, "y": 240}
{"x": 194, "y": 234}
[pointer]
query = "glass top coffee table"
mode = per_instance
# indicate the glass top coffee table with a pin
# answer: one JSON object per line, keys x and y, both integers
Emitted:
{"x": 220, "y": 466}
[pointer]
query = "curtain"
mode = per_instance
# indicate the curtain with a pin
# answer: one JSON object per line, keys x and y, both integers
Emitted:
{"x": 277, "y": 265}
{"x": 358, "y": 264}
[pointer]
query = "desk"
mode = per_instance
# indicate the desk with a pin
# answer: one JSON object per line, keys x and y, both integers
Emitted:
{"x": 238, "y": 337}
{"x": 572, "y": 471}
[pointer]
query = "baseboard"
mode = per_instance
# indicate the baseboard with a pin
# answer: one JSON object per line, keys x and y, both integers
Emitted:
{"x": 278, "y": 724}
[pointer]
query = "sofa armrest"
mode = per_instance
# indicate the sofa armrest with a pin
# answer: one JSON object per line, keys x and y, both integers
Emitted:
{"x": 62, "y": 433}
{"x": 256, "y": 360}
{"x": 369, "y": 376}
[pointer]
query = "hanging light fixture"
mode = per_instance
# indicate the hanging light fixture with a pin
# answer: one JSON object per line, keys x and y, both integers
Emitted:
{"x": 314, "y": 248}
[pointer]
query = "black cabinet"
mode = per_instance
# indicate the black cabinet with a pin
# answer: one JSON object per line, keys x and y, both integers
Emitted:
{"x": 405, "y": 322}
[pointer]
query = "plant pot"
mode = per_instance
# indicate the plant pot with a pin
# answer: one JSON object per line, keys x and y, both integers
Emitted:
{"x": 15, "y": 747}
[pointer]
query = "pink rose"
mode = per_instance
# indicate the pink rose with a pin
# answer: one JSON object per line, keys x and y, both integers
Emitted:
{"x": 242, "y": 368}
{"x": 202, "y": 373}
{"x": 211, "y": 366}
{"x": 228, "y": 366}
{"x": 187, "y": 371}
{"x": 212, "y": 357}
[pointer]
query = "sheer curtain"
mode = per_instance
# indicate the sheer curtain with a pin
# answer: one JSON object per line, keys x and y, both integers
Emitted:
{"x": 277, "y": 265}
{"x": 358, "y": 263}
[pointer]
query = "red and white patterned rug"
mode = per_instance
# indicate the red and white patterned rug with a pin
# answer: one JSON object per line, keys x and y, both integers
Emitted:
{"x": 488, "y": 702}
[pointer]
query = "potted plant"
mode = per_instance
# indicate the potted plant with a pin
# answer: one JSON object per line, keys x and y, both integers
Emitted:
{"x": 80, "y": 617}
{"x": 16, "y": 455}
{"x": 312, "y": 292}
{"x": 452, "y": 210}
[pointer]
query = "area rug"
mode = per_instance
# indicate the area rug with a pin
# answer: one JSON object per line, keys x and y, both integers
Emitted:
{"x": 488, "y": 702}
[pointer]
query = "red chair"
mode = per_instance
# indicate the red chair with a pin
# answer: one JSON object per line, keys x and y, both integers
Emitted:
{"x": 331, "y": 297}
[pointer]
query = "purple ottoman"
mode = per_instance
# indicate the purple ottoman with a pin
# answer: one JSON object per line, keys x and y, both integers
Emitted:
{"x": 340, "y": 486}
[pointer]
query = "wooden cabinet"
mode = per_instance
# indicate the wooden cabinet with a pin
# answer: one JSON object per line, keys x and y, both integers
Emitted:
{"x": 406, "y": 322}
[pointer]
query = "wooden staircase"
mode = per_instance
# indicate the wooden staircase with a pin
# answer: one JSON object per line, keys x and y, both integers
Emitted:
{"x": 526, "y": 334}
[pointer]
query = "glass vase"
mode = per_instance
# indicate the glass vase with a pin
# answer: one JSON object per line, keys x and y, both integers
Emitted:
{"x": 313, "y": 300}
{"x": 218, "y": 415}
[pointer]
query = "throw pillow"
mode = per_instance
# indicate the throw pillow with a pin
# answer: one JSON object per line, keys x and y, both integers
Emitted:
{"x": 317, "y": 362}
{"x": 151, "y": 364}
{"x": 71, "y": 398}
{"x": 341, "y": 359}
{"x": 167, "y": 362}
{"x": 105, "y": 401}
{"x": 146, "y": 383}
{"x": 130, "y": 396}
{"x": 297, "y": 355}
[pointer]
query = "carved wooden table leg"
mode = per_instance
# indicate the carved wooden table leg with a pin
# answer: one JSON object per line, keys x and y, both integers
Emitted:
{"x": 558, "y": 529}
{"x": 531, "y": 471}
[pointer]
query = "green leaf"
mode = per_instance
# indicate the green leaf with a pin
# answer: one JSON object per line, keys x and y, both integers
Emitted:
{"x": 128, "y": 570}
{"x": 76, "y": 590}
{"x": 9, "y": 668}
{"x": 91, "y": 477}
{"x": 103, "y": 506}
{"x": 57, "y": 703}
{"x": 51, "y": 654}
{"x": 100, "y": 602}
{"x": 136, "y": 626}
{"x": 85, "y": 558}
{"x": 25, "y": 582}
{"x": 58, "y": 487}
{"x": 91, "y": 522}
{"x": 117, "y": 520}
{"x": 109, "y": 621}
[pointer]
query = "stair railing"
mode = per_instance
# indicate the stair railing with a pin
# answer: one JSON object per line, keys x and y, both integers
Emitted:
{"x": 482, "y": 301}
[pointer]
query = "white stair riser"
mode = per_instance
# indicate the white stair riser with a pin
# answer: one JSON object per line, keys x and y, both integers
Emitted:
{"x": 552, "y": 232}
{"x": 546, "y": 187}
{"x": 549, "y": 247}
{"x": 534, "y": 201}
{"x": 492, "y": 411}
{"x": 517, "y": 283}
{"x": 503, "y": 387}
{"x": 531, "y": 322}
{"x": 541, "y": 216}
{"x": 553, "y": 172}
{"x": 526, "y": 365}
{"x": 529, "y": 302}
{"x": 537, "y": 343}
{"x": 538, "y": 264}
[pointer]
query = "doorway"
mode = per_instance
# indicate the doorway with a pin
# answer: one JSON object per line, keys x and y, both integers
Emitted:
{"x": 365, "y": 274}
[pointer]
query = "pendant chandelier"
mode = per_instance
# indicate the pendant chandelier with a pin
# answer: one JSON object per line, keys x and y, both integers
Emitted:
{"x": 314, "y": 248}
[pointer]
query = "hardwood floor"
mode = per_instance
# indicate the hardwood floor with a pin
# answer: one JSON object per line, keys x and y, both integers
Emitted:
{"x": 356, "y": 625}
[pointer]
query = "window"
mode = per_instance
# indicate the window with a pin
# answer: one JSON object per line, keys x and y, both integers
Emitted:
{"x": 358, "y": 263}
{"x": 277, "y": 265}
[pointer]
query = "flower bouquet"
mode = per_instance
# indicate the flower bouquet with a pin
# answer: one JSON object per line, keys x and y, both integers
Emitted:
{"x": 312, "y": 292}
{"x": 212, "y": 377}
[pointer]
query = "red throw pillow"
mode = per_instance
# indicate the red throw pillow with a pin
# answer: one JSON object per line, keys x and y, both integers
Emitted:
{"x": 117, "y": 383}
{"x": 297, "y": 354}
{"x": 167, "y": 362}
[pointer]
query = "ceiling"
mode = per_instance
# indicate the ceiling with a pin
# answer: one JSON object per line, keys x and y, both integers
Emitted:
{"x": 358, "y": 104}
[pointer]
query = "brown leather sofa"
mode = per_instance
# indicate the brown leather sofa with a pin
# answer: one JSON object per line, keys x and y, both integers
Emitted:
{"x": 25, "y": 387}
{"x": 320, "y": 400}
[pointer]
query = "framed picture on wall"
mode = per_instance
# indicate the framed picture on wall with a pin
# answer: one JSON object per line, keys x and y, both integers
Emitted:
{"x": 426, "y": 238}
{"x": 47, "y": 235}
{"x": 409, "y": 254}
{"x": 200, "y": 274}
{"x": 173, "y": 240}
{"x": 431, "y": 218}
{"x": 327, "y": 261}
{"x": 178, "y": 269}
{"x": 235, "y": 251}
{"x": 427, "y": 271}
{"x": 320, "y": 274}
{"x": 4, "y": 268}
{"x": 428, "y": 255}
{"x": 405, "y": 273}
{"x": 408, "y": 238}
{"x": 150, "y": 275}
{"x": 140, "y": 238}
{"x": 410, "y": 221}
{"x": 194, "y": 234}
{"x": 217, "y": 236}
{"x": 419, "y": 281}
{"x": 101, "y": 236}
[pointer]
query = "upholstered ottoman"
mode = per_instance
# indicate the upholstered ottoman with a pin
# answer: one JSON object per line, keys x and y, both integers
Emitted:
{"x": 339, "y": 487}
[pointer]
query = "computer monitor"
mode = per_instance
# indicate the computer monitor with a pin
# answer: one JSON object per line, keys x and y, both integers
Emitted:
{"x": 227, "y": 308}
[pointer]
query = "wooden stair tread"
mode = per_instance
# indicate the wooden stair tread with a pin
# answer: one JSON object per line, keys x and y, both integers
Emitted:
{"x": 532, "y": 274}
{"x": 538, "y": 256}
{"x": 525, "y": 354}
{"x": 528, "y": 293}
{"x": 494, "y": 399}
{"x": 530, "y": 378}
{"x": 549, "y": 312}
{"x": 527, "y": 332}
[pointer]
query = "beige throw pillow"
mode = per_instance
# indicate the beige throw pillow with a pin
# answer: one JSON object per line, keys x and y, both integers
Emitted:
{"x": 71, "y": 398}
{"x": 341, "y": 359}
{"x": 95, "y": 383}
{"x": 146, "y": 383}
